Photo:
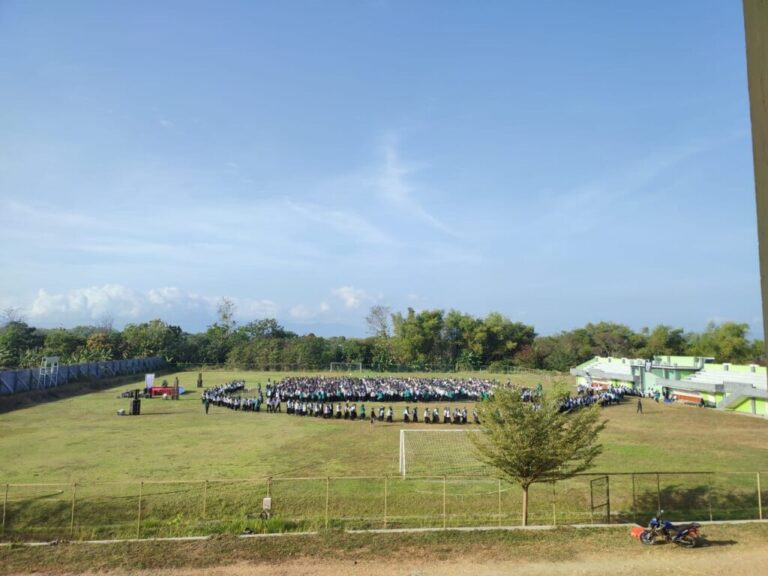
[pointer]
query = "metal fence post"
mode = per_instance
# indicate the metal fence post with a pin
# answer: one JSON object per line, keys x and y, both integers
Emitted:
{"x": 205, "y": 499}
{"x": 499, "y": 501}
{"x": 634, "y": 504}
{"x": 385, "y": 502}
{"x": 327, "y": 498}
{"x": 554, "y": 505}
{"x": 138, "y": 517}
{"x": 445, "y": 517}
{"x": 759, "y": 499}
{"x": 5, "y": 507}
{"x": 72, "y": 517}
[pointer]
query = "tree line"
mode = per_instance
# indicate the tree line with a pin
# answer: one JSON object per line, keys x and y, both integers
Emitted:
{"x": 424, "y": 340}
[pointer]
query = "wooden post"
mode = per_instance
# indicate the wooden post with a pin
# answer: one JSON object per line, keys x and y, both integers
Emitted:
{"x": 554, "y": 505}
{"x": 709, "y": 495}
{"x": 658, "y": 493}
{"x": 499, "y": 501}
{"x": 634, "y": 504}
{"x": 5, "y": 507}
{"x": 72, "y": 517}
{"x": 608, "y": 498}
{"x": 205, "y": 499}
{"x": 759, "y": 499}
{"x": 385, "y": 502}
{"x": 327, "y": 498}
{"x": 445, "y": 517}
{"x": 138, "y": 518}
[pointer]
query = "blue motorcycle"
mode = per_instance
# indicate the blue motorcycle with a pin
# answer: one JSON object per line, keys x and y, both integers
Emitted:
{"x": 685, "y": 535}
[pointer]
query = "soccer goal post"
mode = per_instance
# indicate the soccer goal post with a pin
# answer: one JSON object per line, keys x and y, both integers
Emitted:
{"x": 346, "y": 367}
{"x": 439, "y": 452}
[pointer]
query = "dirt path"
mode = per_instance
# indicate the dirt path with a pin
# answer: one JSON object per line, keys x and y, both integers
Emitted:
{"x": 715, "y": 560}
{"x": 729, "y": 550}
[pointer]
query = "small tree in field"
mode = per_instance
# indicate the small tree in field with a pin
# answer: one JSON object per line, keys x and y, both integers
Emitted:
{"x": 529, "y": 442}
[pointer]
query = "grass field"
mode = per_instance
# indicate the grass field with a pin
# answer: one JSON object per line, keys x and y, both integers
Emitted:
{"x": 564, "y": 551}
{"x": 206, "y": 473}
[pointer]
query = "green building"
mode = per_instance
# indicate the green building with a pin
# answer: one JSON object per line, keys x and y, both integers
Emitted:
{"x": 691, "y": 379}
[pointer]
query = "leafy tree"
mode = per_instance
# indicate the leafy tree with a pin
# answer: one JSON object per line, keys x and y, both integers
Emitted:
{"x": 529, "y": 443}
{"x": 62, "y": 343}
{"x": 106, "y": 345}
{"x": 265, "y": 328}
{"x": 502, "y": 339}
{"x": 726, "y": 342}
{"x": 611, "y": 339}
{"x": 16, "y": 339}
{"x": 153, "y": 338}
{"x": 662, "y": 341}
{"x": 564, "y": 350}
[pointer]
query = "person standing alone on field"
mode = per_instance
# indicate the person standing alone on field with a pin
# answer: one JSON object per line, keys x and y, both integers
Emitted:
{"x": 207, "y": 403}
{"x": 639, "y": 406}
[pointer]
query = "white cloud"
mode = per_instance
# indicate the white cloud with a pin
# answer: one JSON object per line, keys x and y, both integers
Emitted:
{"x": 91, "y": 303}
{"x": 261, "y": 308}
{"x": 83, "y": 305}
{"x": 301, "y": 312}
{"x": 168, "y": 295}
{"x": 351, "y": 296}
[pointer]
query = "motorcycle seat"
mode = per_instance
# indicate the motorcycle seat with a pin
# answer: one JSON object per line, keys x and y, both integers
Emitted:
{"x": 681, "y": 527}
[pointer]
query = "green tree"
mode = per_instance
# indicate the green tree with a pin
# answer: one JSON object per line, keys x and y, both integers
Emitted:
{"x": 564, "y": 350}
{"x": 527, "y": 443}
{"x": 63, "y": 343}
{"x": 662, "y": 341}
{"x": 611, "y": 339}
{"x": 153, "y": 338}
{"x": 726, "y": 342}
{"x": 17, "y": 342}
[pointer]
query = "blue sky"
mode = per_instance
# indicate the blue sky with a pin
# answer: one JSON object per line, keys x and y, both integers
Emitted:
{"x": 559, "y": 162}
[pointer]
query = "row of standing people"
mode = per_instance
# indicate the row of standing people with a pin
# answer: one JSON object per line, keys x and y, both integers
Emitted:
{"x": 349, "y": 411}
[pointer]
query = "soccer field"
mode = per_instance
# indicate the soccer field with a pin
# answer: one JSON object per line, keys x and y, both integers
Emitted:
{"x": 80, "y": 444}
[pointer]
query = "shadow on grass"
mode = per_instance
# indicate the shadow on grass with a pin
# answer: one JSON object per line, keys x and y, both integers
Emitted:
{"x": 705, "y": 543}
{"x": 9, "y": 403}
{"x": 695, "y": 503}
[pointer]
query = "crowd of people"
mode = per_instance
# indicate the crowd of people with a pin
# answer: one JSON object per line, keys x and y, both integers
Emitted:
{"x": 338, "y": 398}
{"x": 379, "y": 389}
{"x": 230, "y": 396}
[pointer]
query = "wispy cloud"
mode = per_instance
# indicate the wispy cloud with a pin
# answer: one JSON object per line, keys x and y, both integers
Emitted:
{"x": 589, "y": 205}
{"x": 351, "y": 297}
{"x": 343, "y": 221}
{"x": 394, "y": 186}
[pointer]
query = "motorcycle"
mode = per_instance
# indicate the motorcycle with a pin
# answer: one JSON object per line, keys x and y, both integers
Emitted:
{"x": 685, "y": 535}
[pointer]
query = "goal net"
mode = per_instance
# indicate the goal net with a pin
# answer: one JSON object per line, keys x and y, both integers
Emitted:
{"x": 346, "y": 367}
{"x": 439, "y": 453}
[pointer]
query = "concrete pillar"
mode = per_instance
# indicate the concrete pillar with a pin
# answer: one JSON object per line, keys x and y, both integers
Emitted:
{"x": 756, "y": 27}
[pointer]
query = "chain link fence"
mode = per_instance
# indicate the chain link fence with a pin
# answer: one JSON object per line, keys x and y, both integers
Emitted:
{"x": 146, "y": 509}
